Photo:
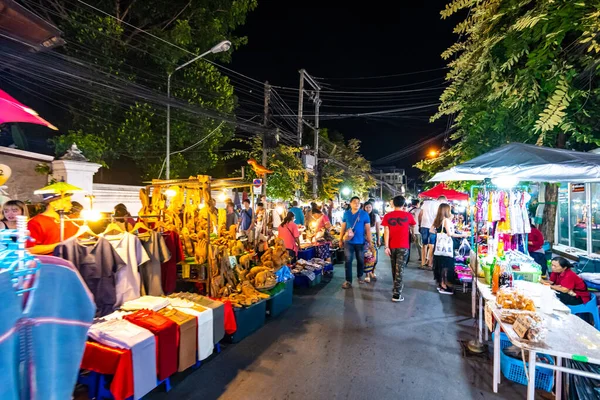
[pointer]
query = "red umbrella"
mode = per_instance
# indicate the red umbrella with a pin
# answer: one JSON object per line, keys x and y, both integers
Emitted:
{"x": 442, "y": 190}
{"x": 12, "y": 110}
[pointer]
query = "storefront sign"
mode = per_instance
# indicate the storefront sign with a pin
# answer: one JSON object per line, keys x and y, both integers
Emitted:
{"x": 577, "y": 187}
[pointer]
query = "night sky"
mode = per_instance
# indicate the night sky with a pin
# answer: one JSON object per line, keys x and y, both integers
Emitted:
{"x": 354, "y": 41}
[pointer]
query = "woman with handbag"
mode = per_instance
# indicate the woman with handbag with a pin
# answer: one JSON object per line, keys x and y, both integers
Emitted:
{"x": 288, "y": 231}
{"x": 443, "y": 254}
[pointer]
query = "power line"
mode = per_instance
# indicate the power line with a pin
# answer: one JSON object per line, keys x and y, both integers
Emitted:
{"x": 384, "y": 76}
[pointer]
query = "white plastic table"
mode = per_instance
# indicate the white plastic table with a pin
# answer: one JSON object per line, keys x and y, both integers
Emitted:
{"x": 532, "y": 290}
{"x": 568, "y": 337}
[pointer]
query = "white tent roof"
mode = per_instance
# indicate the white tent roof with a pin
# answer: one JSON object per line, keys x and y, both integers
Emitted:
{"x": 527, "y": 163}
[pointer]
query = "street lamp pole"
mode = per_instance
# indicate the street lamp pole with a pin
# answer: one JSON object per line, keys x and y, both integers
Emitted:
{"x": 218, "y": 48}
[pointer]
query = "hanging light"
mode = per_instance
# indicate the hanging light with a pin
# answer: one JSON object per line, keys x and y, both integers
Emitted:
{"x": 505, "y": 182}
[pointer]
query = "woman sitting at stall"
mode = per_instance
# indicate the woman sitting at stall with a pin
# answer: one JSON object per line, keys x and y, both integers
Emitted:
{"x": 572, "y": 290}
{"x": 288, "y": 231}
{"x": 319, "y": 224}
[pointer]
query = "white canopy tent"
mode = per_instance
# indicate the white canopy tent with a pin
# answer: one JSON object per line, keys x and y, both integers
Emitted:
{"x": 527, "y": 162}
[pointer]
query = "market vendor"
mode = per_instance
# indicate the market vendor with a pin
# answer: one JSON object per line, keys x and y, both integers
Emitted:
{"x": 44, "y": 228}
{"x": 571, "y": 289}
{"x": 319, "y": 224}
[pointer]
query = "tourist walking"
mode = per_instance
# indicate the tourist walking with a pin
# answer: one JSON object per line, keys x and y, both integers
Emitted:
{"x": 415, "y": 233}
{"x": 428, "y": 214}
{"x": 443, "y": 259}
{"x": 397, "y": 243}
{"x": 355, "y": 226}
{"x": 375, "y": 222}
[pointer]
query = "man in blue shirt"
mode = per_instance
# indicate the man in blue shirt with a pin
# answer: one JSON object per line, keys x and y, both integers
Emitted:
{"x": 359, "y": 222}
{"x": 247, "y": 219}
{"x": 298, "y": 214}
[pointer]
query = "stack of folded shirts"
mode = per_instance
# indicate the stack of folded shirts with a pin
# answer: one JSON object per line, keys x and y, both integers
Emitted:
{"x": 146, "y": 303}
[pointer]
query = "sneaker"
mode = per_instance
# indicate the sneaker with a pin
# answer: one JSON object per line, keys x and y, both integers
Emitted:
{"x": 367, "y": 279}
{"x": 346, "y": 285}
{"x": 397, "y": 298}
{"x": 446, "y": 291}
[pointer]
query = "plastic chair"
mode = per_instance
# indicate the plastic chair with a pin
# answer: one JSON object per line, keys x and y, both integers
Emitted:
{"x": 589, "y": 307}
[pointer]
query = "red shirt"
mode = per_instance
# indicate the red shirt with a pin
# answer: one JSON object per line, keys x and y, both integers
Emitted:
{"x": 399, "y": 223}
{"x": 169, "y": 268}
{"x": 167, "y": 338}
{"x": 45, "y": 230}
{"x": 537, "y": 240}
{"x": 570, "y": 280}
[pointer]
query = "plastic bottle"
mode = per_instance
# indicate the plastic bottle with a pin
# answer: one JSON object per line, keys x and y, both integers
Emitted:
{"x": 496, "y": 278}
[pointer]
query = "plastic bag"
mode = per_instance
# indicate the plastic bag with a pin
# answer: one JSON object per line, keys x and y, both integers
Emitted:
{"x": 465, "y": 248}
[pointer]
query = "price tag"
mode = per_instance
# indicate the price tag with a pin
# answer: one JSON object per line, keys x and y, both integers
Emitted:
{"x": 233, "y": 261}
{"x": 489, "y": 317}
{"x": 521, "y": 326}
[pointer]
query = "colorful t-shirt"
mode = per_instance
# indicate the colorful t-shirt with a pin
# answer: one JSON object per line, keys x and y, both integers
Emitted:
{"x": 399, "y": 223}
{"x": 357, "y": 223}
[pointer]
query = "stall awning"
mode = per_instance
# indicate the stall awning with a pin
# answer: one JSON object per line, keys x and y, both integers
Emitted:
{"x": 443, "y": 190}
{"x": 527, "y": 162}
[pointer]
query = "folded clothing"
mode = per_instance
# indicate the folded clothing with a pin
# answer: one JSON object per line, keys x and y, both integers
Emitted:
{"x": 123, "y": 334}
{"x": 204, "y": 317}
{"x": 590, "y": 277}
{"x": 146, "y": 303}
{"x": 166, "y": 333}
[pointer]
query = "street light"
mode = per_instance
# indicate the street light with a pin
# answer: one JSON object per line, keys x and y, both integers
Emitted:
{"x": 433, "y": 153}
{"x": 225, "y": 45}
{"x": 346, "y": 191}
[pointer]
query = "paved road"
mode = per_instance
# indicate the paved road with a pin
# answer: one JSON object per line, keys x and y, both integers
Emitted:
{"x": 353, "y": 344}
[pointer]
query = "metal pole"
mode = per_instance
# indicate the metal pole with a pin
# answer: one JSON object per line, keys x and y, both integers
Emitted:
{"x": 265, "y": 123}
{"x": 316, "y": 175}
{"x": 168, "y": 159}
{"x": 300, "y": 106}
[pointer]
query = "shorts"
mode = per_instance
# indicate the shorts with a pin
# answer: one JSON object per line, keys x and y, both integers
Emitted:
{"x": 428, "y": 237}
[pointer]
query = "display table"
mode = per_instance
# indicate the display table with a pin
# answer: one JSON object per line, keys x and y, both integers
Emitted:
{"x": 568, "y": 337}
{"x": 249, "y": 320}
{"x": 532, "y": 290}
{"x": 282, "y": 299}
{"x": 110, "y": 361}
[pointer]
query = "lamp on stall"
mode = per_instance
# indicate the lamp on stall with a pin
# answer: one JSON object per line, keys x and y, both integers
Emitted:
{"x": 91, "y": 215}
{"x": 223, "y": 196}
{"x": 171, "y": 192}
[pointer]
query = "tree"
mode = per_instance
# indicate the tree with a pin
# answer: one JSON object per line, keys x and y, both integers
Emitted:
{"x": 288, "y": 173}
{"x": 113, "y": 127}
{"x": 521, "y": 71}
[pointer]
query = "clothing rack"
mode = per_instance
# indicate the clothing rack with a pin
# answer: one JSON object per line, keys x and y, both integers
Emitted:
{"x": 111, "y": 218}
{"x": 19, "y": 263}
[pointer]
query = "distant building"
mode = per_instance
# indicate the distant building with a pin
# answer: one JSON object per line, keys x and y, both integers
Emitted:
{"x": 392, "y": 176}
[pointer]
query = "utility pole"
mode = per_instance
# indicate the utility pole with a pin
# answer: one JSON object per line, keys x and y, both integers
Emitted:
{"x": 316, "y": 175}
{"x": 265, "y": 123}
{"x": 300, "y": 106}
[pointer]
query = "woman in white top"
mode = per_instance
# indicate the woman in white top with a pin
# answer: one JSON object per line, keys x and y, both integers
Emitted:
{"x": 376, "y": 233}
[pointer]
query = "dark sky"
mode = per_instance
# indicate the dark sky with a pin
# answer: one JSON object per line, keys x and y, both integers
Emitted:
{"x": 353, "y": 41}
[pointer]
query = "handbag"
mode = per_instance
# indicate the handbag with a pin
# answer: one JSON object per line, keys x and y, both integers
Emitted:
{"x": 444, "y": 245}
{"x": 349, "y": 234}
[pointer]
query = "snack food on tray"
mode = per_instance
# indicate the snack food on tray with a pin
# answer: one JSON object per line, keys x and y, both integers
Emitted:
{"x": 514, "y": 300}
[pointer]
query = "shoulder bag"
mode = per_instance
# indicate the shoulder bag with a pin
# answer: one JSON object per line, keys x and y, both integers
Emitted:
{"x": 444, "y": 245}
{"x": 349, "y": 234}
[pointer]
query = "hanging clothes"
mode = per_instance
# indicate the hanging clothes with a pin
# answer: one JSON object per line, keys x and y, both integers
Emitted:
{"x": 525, "y": 213}
{"x": 35, "y": 367}
{"x": 98, "y": 265}
{"x": 129, "y": 248}
{"x": 151, "y": 273}
{"x": 169, "y": 267}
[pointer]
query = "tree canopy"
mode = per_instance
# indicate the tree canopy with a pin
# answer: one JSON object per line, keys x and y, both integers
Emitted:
{"x": 521, "y": 70}
{"x": 108, "y": 128}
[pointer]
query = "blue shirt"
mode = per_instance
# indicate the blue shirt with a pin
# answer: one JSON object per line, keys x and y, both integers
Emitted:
{"x": 246, "y": 217}
{"x": 298, "y": 214}
{"x": 360, "y": 218}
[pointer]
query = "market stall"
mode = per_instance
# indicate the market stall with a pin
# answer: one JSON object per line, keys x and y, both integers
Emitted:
{"x": 528, "y": 313}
